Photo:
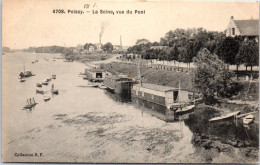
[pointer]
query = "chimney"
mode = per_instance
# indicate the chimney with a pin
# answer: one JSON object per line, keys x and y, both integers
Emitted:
{"x": 121, "y": 47}
{"x": 232, "y": 17}
{"x": 100, "y": 40}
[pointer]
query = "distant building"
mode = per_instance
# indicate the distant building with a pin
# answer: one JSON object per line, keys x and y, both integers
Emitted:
{"x": 99, "y": 46}
{"x": 91, "y": 49}
{"x": 245, "y": 28}
{"x": 117, "y": 48}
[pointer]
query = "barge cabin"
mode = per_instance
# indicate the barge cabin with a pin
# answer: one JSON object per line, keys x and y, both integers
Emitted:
{"x": 96, "y": 75}
{"x": 161, "y": 95}
{"x": 119, "y": 85}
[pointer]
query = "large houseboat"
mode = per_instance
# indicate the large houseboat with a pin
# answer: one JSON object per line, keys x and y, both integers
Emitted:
{"x": 119, "y": 84}
{"x": 163, "y": 96}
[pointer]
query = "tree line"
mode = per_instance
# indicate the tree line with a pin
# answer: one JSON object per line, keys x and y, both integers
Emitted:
{"x": 183, "y": 45}
{"x": 45, "y": 49}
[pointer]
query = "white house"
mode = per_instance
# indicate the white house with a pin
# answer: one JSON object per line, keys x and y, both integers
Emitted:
{"x": 246, "y": 28}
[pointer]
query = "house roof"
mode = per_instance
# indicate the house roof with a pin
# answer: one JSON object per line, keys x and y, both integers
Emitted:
{"x": 248, "y": 27}
{"x": 96, "y": 70}
{"x": 119, "y": 77}
{"x": 156, "y": 87}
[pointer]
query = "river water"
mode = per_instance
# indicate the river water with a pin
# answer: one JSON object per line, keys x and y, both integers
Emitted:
{"x": 83, "y": 124}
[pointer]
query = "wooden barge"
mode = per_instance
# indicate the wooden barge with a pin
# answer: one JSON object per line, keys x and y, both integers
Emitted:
{"x": 119, "y": 85}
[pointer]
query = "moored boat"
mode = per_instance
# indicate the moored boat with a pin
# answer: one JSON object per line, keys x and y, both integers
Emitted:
{"x": 48, "y": 79}
{"x": 102, "y": 86}
{"x": 94, "y": 85}
{"x": 225, "y": 117}
{"x": 39, "y": 91}
{"x": 45, "y": 83}
{"x": 30, "y": 104}
{"x": 53, "y": 76}
{"x": 22, "y": 80}
{"x": 248, "y": 119}
{"x": 28, "y": 74}
{"x": 54, "y": 91}
{"x": 185, "y": 109}
{"x": 46, "y": 98}
{"x": 38, "y": 85}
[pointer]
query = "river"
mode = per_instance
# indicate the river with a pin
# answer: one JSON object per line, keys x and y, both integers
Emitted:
{"x": 84, "y": 124}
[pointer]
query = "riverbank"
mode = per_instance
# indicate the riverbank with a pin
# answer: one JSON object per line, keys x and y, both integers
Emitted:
{"x": 152, "y": 75}
{"x": 240, "y": 144}
{"x": 86, "y": 58}
{"x": 87, "y": 125}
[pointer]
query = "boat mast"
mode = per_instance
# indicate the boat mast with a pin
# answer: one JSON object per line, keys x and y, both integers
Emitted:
{"x": 179, "y": 90}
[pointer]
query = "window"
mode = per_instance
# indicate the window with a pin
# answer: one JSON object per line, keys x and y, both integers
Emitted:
{"x": 136, "y": 92}
{"x": 233, "y": 31}
{"x": 152, "y": 97}
{"x": 142, "y": 94}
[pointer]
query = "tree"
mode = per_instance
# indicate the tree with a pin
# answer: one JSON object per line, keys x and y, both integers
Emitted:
{"x": 174, "y": 53}
{"x": 210, "y": 75}
{"x": 248, "y": 53}
{"x": 228, "y": 50}
{"x": 108, "y": 47}
{"x": 87, "y": 45}
{"x": 155, "y": 44}
{"x": 142, "y": 41}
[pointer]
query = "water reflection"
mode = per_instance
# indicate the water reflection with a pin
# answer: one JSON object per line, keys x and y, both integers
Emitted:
{"x": 122, "y": 97}
{"x": 153, "y": 109}
{"x": 228, "y": 132}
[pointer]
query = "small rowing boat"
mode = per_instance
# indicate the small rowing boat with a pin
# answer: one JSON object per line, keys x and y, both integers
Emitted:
{"x": 248, "y": 119}
{"x": 54, "y": 91}
{"x": 38, "y": 85}
{"x": 53, "y": 76}
{"x": 39, "y": 91}
{"x": 46, "y": 98}
{"x": 45, "y": 83}
{"x": 228, "y": 116}
{"x": 92, "y": 85}
{"x": 185, "y": 109}
{"x": 48, "y": 79}
{"x": 102, "y": 86}
{"x": 22, "y": 80}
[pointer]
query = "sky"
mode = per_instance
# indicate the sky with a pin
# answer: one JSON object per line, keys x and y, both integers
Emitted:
{"x": 32, "y": 22}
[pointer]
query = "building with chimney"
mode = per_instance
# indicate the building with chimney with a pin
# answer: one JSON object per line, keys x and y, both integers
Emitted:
{"x": 99, "y": 47}
{"x": 245, "y": 28}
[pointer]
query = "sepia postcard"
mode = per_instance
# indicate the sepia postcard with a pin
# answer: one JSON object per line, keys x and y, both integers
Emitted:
{"x": 144, "y": 81}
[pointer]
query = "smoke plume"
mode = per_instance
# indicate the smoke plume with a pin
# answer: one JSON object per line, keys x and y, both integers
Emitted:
{"x": 102, "y": 29}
